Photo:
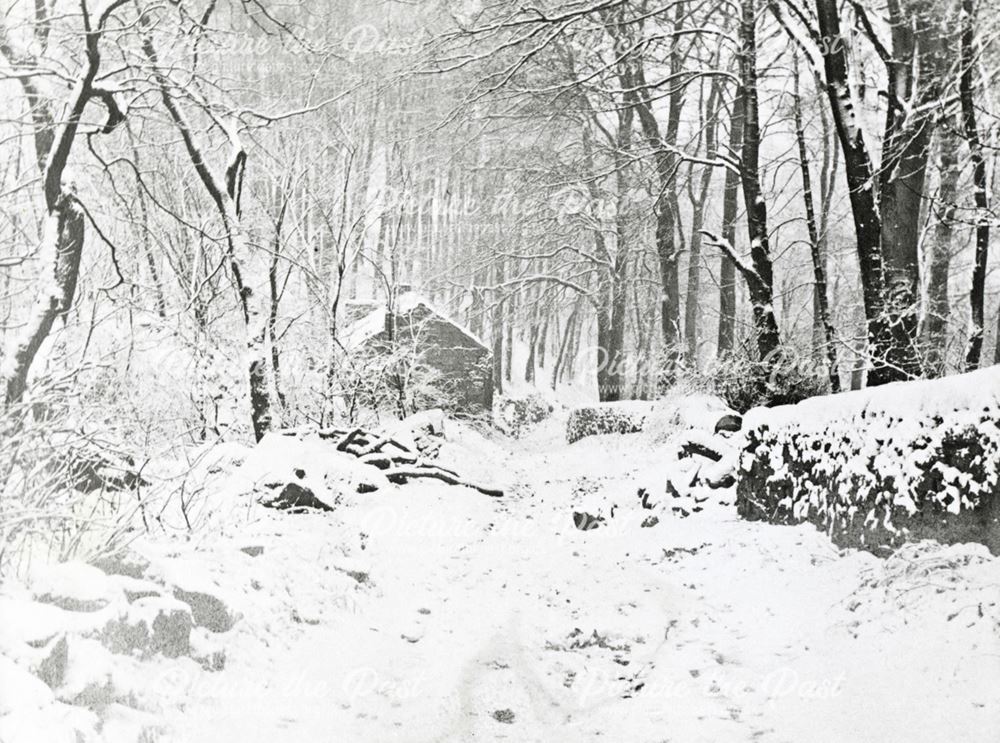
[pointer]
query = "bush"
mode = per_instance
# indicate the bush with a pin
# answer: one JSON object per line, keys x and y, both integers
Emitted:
{"x": 746, "y": 383}
{"x": 606, "y": 418}
{"x": 60, "y": 488}
{"x": 398, "y": 382}
{"x": 515, "y": 414}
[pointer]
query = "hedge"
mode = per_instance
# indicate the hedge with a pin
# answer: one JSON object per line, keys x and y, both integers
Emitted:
{"x": 879, "y": 468}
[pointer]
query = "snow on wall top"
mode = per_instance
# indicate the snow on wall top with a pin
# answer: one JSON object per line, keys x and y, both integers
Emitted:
{"x": 923, "y": 397}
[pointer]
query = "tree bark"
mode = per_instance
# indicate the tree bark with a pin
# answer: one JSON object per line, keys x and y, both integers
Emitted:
{"x": 63, "y": 233}
{"x": 890, "y": 350}
{"x": 914, "y": 72}
{"x": 226, "y": 195}
{"x": 730, "y": 205}
{"x": 761, "y": 287}
{"x": 977, "y": 296}
{"x": 939, "y": 260}
{"x": 700, "y": 197}
{"x": 666, "y": 168}
{"x": 821, "y": 304}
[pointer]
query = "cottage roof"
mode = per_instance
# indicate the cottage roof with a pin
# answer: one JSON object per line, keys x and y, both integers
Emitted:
{"x": 373, "y": 323}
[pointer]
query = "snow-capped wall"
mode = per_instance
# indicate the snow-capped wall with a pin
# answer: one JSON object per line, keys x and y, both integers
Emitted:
{"x": 880, "y": 467}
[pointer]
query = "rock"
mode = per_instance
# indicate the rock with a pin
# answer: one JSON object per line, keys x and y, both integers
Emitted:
{"x": 37, "y": 624}
{"x": 731, "y": 422}
{"x": 295, "y": 497}
{"x": 208, "y": 611}
{"x": 585, "y": 521}
{"x": 122, "y": 563}
{"x": 90, "y": 467}
{"x": 74, "y": 586}
{"x": 505, "y": 716}
{"x": 649, "y": 521}
{"x": 21, "y": 690}
{"x": 90, "y": 679}
{"x": 151, "y": 625}
{"x": 206, "y": 650}
{"x": 254, "y": 550}
{"x": 52, "y": 669}
{"x": 136, "y": 589}
{"x": 705, "y": 413}
{"x": 422, "y": 431}
{"x": 54, "y": 723}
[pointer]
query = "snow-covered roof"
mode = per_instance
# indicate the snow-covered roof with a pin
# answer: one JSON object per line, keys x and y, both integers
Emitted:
{"x": 373, "y": 323}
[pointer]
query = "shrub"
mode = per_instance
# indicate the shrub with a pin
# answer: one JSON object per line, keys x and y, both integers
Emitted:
{"x": 515, "y": 414}
{"x": 606, "y": 418}
{"x": 746, "y": 383}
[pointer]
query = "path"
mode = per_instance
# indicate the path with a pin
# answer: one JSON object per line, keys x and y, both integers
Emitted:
{"x": 469, "y": 618}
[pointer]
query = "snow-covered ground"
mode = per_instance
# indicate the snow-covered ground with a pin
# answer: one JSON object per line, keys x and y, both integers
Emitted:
{"x": 428, "y": 612}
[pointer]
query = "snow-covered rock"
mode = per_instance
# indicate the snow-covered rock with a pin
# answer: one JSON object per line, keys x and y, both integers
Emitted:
{"x": 74, "y": 586}
{"x": 150, "y": 626}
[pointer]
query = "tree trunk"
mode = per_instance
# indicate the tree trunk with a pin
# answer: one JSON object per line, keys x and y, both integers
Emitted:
{"x": 496, "y": 328}
{"x": 996, "y": 346}
{"x": 819, "y": 265}
{"x": 63, "y": 233}
{"x": 980, "y": 186}
{"x": 226, "y": 193}
{"x": 666, "y": 168}
{"x": 831, "y": 152}
{"x": 761, "y": 288}
{"x": 938, "y": 304}
{"x": 63, "y": 247}
{"x": 914, "y": 76}
{"x": 727, "y": 269}
{"x": 691, "y": 307}
{"x": 889, "y": 348}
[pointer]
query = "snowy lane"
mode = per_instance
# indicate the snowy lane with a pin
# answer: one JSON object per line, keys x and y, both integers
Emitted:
{"x": 482, "y": 619}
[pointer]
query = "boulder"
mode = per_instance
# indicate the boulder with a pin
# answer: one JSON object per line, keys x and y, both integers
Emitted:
{"x": 74, "y": 586}
{"x": 120, "y": 722}
{"x": 294, "y": 497}
{"x": 90, "y": 680}
{"x": 207, "y": 610}
{"x": 150, "y": 626}
{"x": 37, "y": 624}
{"x": 122, "y": 562}
{"x": 704, "y": 413}
{"x": 52, "y": 668}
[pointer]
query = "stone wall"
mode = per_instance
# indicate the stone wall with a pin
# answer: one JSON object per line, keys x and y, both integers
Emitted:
{"x": 877, "y": 469}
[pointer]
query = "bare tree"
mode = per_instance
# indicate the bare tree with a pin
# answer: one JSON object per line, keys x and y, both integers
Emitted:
{"x": 55, "y": 129}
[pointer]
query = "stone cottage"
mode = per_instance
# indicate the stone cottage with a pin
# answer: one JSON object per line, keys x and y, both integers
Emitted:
{"x": 460, "y": 358}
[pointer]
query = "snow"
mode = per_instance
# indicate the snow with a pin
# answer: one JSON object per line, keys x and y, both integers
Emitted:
{"x": 973, "y": 390}
{"x": 706, "y": 629}
{"x": 20, "y": 689}
{"x": 426, "y": 612}
{"x": 74, "y": 582}
{"x": 373, "y": 323}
